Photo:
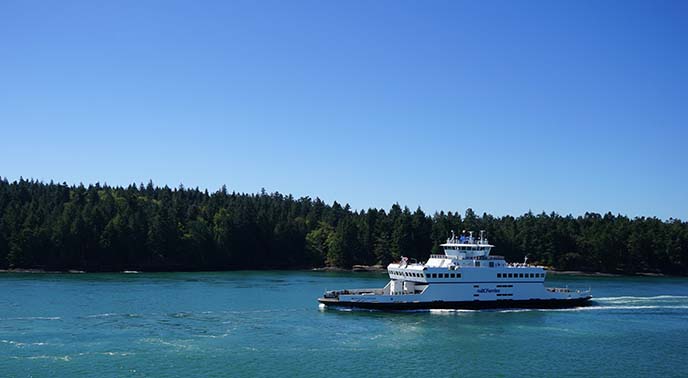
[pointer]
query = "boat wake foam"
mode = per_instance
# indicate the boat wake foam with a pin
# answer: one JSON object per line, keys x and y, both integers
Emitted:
{"x": 641, "y": 299}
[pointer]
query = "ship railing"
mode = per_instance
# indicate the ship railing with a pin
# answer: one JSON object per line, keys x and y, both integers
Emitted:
{"x": 522, "y": 265}
{"x": 566, "y": 290}
{"x": 337, "y": 293}
{"x": 492, "y": 257}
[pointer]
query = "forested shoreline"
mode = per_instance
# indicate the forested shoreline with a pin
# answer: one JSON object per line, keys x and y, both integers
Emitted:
{"x": 143, "y": 227}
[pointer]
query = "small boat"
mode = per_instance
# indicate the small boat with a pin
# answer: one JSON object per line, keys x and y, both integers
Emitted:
{"x": 465, "y": 277}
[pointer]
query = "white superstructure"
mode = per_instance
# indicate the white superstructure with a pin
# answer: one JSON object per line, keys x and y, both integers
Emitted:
{"x": 466, "y": 276}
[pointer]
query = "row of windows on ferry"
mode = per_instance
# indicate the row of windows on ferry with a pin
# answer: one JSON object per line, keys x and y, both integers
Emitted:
{"x": 429, "y": 275}
{"x": 458, "y": 275}
{"x": 520, "y": 275}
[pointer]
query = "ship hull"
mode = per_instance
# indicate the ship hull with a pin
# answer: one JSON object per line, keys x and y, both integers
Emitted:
{"x": 460, "y": 305}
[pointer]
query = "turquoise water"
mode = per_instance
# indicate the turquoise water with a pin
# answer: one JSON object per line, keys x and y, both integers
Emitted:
{"x": 234, "y": 324}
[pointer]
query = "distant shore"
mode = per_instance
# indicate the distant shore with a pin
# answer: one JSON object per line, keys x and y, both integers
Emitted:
{"x": 382, "y": 269}
{"x": 21, "y": 270}
{"x": 355, "y": 269}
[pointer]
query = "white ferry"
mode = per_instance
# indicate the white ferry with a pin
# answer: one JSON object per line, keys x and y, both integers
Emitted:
{"x": 465, "y": 277}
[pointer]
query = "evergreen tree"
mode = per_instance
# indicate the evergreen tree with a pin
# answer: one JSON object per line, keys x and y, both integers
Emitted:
{"x": 99, "y": 227}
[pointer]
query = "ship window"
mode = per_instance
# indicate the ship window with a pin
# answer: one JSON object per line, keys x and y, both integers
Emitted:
{"x": 532, "y": 275}
{"x": 520, "y": 275}
{"x": 476, "y": 295}
{"x": 458, "y": 275}
{"x": 510, "y": 275}
{"x": 451, "y": 275}
{"x": 476, "y": 285}
{"x": 499, "y": 275}
{"x": 446, "y": 275}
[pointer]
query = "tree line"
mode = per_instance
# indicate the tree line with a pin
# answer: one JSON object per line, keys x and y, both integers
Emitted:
{"x": 56, "y": 226}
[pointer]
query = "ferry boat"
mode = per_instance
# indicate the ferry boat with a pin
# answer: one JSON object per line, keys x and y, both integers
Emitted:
{"x": 465, "y": 277}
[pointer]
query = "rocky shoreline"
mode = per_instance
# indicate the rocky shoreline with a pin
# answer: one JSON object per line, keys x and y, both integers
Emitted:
{"x": 383, "y": 269}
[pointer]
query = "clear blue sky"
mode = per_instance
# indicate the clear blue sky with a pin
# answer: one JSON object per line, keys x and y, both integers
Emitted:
{"x": 499, "y": 106}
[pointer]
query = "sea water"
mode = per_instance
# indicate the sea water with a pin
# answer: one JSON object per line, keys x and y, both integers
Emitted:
{"x": 264, "y": 324}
